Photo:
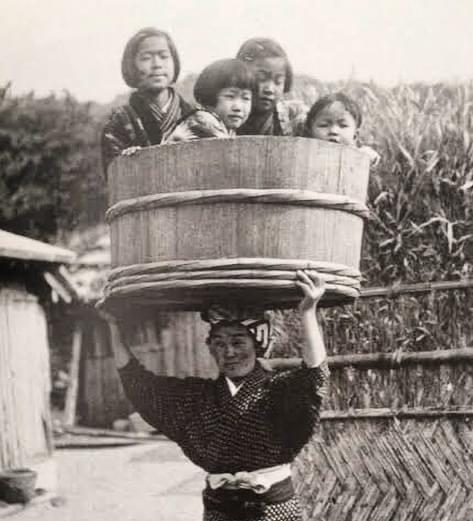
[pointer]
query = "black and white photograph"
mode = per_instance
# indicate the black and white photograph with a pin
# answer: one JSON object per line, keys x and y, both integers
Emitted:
{"x": 236, "y": 260}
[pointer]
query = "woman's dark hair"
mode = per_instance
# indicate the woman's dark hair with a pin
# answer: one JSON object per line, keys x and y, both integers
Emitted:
{"x": 221, "y": 75}
{"x": 349, "y": 103}
{"x": 129, "y": 71}
{"x": 260, "y": 48}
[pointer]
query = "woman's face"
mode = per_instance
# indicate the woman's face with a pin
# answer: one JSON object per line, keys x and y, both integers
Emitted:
{"x": 154, "y": 64}
{"x": 233, "y": 349}
{"x": 270, "y": 76}
{"x": 334, "y": 123}
{"x": 233, "y": 106}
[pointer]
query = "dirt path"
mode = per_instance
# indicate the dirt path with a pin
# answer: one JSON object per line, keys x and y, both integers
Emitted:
{"x": 140, "y": 483}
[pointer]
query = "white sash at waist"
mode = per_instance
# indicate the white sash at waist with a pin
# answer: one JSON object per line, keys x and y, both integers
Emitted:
{"x": 259, "y": 481}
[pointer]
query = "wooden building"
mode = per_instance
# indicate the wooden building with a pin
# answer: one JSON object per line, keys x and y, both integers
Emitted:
{"x": 166, "y": 343}
{"x": 30, "y": 282}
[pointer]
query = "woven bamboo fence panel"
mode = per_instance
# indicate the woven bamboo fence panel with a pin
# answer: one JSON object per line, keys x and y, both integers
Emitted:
{"x": 341, "y": 474}
{"x": 395, "y": 441}
{"x": 389, "y": 469}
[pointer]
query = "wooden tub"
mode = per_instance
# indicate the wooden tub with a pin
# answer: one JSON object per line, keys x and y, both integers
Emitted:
{"x": 220, "y": 220}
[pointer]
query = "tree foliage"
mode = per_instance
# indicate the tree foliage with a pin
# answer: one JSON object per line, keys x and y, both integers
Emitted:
{"x": 50, "y": 177}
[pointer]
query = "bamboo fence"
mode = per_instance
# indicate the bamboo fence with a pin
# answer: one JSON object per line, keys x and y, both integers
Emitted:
{"x": 395, "y": 441}
{"x": 383, "y": 469}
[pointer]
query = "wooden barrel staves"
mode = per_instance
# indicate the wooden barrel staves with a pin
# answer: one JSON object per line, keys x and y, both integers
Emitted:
{"x": 219, "y": 220}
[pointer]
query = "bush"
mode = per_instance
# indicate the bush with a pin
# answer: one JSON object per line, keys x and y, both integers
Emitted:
{"x": 50, "y": 180}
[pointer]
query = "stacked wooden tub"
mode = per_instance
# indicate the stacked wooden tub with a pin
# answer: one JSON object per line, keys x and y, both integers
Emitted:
{"x": 231, "y": 220}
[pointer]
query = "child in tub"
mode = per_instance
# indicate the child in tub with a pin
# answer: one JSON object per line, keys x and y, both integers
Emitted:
{"x": 337, "y": 118}
{"x": 150, "y": 65}
{"x": 224, "y": 91}
{"x": 271, "y": 114}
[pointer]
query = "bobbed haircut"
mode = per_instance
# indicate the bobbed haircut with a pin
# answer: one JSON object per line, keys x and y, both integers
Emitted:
{"x": 349, "y": 103}
{"x": 260, "y": 48}
{"x": 219, "y": 75}
{"x": 129, "y": 71}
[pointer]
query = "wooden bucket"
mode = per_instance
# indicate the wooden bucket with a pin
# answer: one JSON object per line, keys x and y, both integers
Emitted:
{"x": 17, "y": 485}
{"x": 218, "y": 220}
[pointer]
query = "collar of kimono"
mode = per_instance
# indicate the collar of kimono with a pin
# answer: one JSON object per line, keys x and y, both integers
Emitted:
{"x": 232, "y": 387}
{"x": 166, "y": 106}
{"x": 258, "y": 375}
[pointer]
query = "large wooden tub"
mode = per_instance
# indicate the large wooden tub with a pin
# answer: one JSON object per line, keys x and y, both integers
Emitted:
{"x": 233, "y": 219}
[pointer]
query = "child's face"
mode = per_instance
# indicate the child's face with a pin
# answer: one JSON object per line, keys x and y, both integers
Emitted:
{"x": 233, "y": 106}
{"x": 154, "y": 64}
{"x": 334, "y": 123}
{"x": 270, "y": 75}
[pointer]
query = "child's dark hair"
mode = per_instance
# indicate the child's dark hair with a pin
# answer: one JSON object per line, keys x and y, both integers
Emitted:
{"x": 220, "y": 75}
{"x": 260, "y": 48}
{"x": 349, "y": 103}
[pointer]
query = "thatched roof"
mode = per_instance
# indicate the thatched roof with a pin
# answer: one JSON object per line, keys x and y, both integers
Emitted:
{"x": 26, "y": 259}
{"x": 15, "y": 246}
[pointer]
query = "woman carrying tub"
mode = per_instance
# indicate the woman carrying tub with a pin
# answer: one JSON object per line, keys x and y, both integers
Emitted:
{"x": 246, "y": 427}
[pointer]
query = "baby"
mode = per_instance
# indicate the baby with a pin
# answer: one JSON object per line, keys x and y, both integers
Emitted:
{"x": 337, "y": 118}
{"x": 224, "y": 91}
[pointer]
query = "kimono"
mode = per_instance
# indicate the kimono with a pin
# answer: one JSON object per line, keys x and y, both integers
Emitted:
{"x": 287, "y": 119}
{"x": 198, "y": 124}
{"x": 265, "y": 424}
{"x": 139, "y": 124}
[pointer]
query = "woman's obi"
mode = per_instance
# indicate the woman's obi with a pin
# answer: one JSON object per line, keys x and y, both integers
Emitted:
{"x": 245, "y": 495}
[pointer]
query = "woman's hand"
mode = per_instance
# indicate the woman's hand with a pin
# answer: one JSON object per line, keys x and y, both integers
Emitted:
{"x": 313, "y": 287}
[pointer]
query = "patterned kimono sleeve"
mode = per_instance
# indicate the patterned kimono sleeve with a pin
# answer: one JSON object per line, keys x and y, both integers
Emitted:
{"x": 163, "y": 401}
{"x": 297, "y": 399}
{"x": 319, "y": 377}
{"x": 308, "y": 385}
{"x": 117, "y": 135}
{"x": 198, "y": 125}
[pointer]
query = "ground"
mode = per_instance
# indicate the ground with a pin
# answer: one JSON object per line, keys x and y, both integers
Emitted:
{"x": 148, "y": 482}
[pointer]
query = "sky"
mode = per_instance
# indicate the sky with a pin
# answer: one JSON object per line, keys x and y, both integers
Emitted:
{"x": 51, "y": 45}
